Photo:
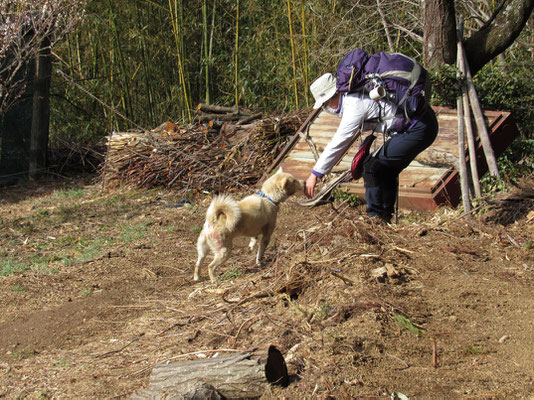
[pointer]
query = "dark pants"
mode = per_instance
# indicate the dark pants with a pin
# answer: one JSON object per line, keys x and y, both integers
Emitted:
{"x": 381, "y": 171}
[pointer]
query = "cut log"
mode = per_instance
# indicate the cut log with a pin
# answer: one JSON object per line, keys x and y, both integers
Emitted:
{"x": 210, "y": 108}
{"x": 184, "y": 391}
{"x": 248, "y": 119}
{"x": 219, "y": 118}
{"x": 237, "y": 376}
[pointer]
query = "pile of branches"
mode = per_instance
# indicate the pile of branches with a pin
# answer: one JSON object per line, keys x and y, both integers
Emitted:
{"x": 66, "y": 157}
{"x": 222, "y": 152}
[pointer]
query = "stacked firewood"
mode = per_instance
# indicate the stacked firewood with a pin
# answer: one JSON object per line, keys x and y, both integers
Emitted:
{"x": 222, "y": 150}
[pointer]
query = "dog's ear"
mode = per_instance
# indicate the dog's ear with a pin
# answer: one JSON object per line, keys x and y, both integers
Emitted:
{"x": 280, "y": 170}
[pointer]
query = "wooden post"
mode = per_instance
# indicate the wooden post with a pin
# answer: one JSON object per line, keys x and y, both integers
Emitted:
{"x": 464, "y": 178}
{"x": 479, "y": 116}
{"x": 471, "y": 145}
{"x": 467, "y": 118}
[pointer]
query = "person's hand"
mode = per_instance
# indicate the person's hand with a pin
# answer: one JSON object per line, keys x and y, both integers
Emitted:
{"x": 309, "y": 188}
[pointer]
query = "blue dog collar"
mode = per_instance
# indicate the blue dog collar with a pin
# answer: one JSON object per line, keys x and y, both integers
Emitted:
{"x": 263, "y": 196}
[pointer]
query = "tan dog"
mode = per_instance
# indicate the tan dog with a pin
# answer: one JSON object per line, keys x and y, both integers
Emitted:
{"x": 253, "y": 216}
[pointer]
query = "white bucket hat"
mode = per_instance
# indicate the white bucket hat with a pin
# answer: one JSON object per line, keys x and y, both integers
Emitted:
{"x": 323, "y": 89}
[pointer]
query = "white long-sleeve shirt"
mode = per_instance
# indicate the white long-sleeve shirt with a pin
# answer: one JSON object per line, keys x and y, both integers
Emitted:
{"x": 357, "y": 112}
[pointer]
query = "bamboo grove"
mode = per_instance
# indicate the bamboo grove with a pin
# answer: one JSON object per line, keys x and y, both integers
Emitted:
{"x": 154, "y": 60}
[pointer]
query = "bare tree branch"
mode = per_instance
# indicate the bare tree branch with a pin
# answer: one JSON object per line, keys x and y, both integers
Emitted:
{"x": 24, "y": 25}
{"x": 386, "y": 27}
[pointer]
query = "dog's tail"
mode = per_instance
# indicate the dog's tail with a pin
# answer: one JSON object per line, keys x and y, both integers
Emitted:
{"x": 223, "y": 212}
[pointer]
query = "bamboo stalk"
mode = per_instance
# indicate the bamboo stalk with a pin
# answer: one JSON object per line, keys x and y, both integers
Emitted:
{"x": 210, "y": 51}
{"x": 177, "y": 40}
{"x": 293, "y": 63}
{"x": 467, "y": 118}
{"x": 471, "y": 145}
{"x": 206, "y": 50}
{"x": 146, "y": 67}
{"x": 95, "y": 51}
{"x": 305, "y": 51}
{"x": 464, "y": 179}
{"x": 69, "y": 52}
{"x": 125, "y": 92}
{"x": 112, "y": 118}
{"x": 402, "y": 13}
{"x": 78, "y": 54}
{"x": 462, "y": 167}
{"x": 236, "y": 49}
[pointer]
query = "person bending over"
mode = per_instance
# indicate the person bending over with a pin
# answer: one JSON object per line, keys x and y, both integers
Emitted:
{"x": 382, "y": 168}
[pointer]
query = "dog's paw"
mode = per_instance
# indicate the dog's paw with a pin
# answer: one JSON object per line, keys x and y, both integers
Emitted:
{"x": 213, "y": 279}
{"x": 215, "y": 282}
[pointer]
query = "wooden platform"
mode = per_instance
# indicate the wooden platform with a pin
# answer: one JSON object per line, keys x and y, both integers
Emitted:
{"x": 429, "y": 181}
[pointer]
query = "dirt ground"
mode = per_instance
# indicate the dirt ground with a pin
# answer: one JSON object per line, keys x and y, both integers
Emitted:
{"x": 96, "y": 288}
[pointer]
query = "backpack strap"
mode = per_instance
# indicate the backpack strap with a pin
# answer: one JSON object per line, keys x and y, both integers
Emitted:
{"x": 412, "y": 76}
{"x": 416, "y": 73}
{"x": 351, "y": 76}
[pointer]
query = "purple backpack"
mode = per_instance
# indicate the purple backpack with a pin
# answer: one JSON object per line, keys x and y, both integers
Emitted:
{"x": 402, "y": 77}
{"x": 351, "y": 72}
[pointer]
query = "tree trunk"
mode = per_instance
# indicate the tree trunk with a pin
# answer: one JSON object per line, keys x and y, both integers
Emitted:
{"x": 15, "y": 131}
{"x": 498, "y": 33}
{"x": 40, "y": 111}
{"x": 439, "y": 33}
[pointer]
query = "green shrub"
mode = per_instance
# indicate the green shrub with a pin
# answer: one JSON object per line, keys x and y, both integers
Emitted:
{"x": 512, "y": 92}
{"x": 444, "y": 87}
{"x": 344, "y": 194}
{"x": 517, "y": 161}
{"x": 497, "y": 90}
